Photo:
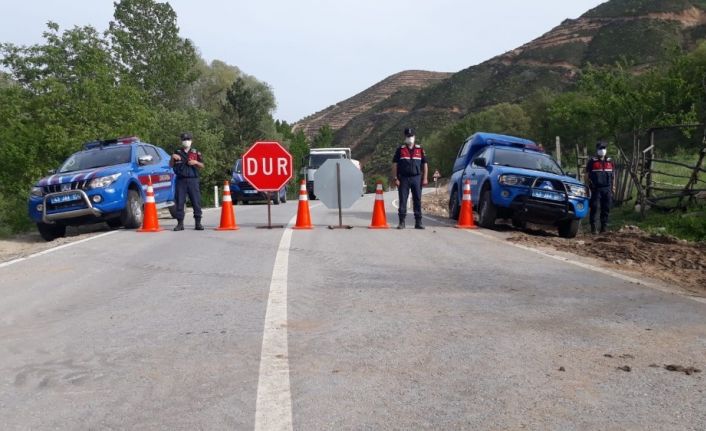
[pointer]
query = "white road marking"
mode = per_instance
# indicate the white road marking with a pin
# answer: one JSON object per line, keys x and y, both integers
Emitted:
{"x": 41, "y": 253}
{"x": 273, "y": 409}
{"x": 604, "y": 271}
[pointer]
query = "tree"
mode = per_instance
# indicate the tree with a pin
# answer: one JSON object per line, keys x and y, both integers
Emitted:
{"x": 323, "y": 137}
{"x": 247, "y": 113}
{"x": 146, "y": 42}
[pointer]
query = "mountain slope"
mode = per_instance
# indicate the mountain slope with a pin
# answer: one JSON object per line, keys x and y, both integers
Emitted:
{"x": 341, "y": 113}
{"x": 641, "y": 31}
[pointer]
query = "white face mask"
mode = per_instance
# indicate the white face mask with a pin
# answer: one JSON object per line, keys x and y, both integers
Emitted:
{"x": 186, "y": 144}
{"x": 602, "y": 152}
{"x": 409, "y": 140}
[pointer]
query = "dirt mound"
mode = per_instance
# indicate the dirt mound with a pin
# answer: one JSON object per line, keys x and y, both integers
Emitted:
{"x": 661, "y": 257}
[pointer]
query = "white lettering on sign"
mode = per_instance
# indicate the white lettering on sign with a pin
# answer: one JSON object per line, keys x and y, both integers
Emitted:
{"x": 282, "y": 166}
{"x": 268, "y": 166}
{"x": 252, "y": 166}
{"x": 265, "y": 169}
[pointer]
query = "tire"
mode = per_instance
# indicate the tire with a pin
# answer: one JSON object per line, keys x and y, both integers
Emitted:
{"x": 114, "y": 223}
{"x": 284, "y": 197}
{"x": 50, "y": 232}
{"x": 487, "y": 213}
{"x": 172, "y": 211}
{"x": 569, "y": 228}
{"x": 454, "y": 207}
{"x": 131, "y": 217}
{"x": 275, "y": 199}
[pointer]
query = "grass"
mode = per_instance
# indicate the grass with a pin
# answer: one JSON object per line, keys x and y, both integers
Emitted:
{"x": 689, "y": 225}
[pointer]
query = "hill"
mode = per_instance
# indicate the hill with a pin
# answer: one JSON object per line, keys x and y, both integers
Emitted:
{"x": 341, "y": 113}
{"x": 641, "y": 31}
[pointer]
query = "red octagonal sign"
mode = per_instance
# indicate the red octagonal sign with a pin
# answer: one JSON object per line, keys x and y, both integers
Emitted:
{"x": 267, "y": 166}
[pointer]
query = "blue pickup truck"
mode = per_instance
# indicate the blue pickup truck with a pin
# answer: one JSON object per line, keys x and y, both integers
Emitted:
{"x": 106, "y": 181}
{"x": 512, "y": 178}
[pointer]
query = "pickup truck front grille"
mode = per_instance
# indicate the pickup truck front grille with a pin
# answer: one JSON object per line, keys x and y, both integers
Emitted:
{"x": 74, "y": 185}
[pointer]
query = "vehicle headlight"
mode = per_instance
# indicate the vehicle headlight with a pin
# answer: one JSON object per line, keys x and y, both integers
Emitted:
{"x": 578, "y": 190}
{"x": 37, "y": 192}
{"x": 513, "y": 180}
{"x": 97, "y": 183}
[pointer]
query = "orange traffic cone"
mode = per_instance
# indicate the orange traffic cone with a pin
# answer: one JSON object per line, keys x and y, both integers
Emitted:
{"x": 227, "y": 211}
{"x": 303, "y": 216}
{"x": 150, "y": 221}
{"x": 465, "y": 218}
{"x": 379, "y": 218}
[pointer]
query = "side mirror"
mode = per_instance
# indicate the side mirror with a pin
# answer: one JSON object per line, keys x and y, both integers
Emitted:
{"x": 570, "y": 174}
{"x": 480, "y": 162}
{"x": 229, "y": 172}
{"x": 144, "y": 160}
{"x": 51, "y": 171}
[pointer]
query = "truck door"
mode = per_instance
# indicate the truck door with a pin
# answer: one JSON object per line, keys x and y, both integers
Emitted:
{"x": 477, "y": 173}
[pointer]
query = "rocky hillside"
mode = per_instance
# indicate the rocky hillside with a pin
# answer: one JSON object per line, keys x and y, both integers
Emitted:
{"x": 341, "y": 113}
{"x": 642, "y": 31}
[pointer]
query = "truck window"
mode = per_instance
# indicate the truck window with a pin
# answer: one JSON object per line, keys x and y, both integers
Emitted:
{"x": 464, "y": 149}
{"x": 483, "y": 154}
{"x": 316, "y": 160}
{"x": 526, "y": 160}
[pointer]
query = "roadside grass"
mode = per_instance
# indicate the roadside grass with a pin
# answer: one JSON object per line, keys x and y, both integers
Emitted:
{"x": 689, "y": 225}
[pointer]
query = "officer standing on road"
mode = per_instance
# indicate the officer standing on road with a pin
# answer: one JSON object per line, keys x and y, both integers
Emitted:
{"x": 409, "y": 173}
{"x": 187, "y": 162}
{"x": 599, "y": 172}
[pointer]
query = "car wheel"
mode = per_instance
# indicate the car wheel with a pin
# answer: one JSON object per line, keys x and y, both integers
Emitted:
{"x": 487, "y": 212}
{"x": 284, "y": 197}
{"x": 275, "y": 198}
{"x": 172, "y": 211}
{"x": 569, "y": 228}
{"x": 454, "y": 208}
{"x": 114, "y": 223}
{"x": 131, "y": 217}
{"x": 50, "y": 232}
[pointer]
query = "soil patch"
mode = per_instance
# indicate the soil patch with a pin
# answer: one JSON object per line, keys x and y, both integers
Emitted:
{"x": 661, "y": 257}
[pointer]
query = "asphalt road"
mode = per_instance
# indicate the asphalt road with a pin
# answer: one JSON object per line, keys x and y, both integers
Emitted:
{"x": 338, "y": 329}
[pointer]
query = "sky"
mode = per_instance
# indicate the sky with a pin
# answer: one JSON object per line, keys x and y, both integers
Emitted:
{"x": 315, "y": 53}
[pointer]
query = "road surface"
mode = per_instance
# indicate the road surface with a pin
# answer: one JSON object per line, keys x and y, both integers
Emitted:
{"x": 338, "y": 329}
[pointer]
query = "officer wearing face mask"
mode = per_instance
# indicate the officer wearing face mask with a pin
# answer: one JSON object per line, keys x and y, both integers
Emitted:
{"x": 187, "y": 162}
{"x": 599, "y": 172}
{"x": 409, "y": 172}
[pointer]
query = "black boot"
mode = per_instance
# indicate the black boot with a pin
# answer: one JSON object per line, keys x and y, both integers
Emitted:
{"x": 179, "y": 226}
{"x": 418, "y": 224}
{"x": 198, "y": 226}
{"x": 593, "y": 229}
{"x": 401, "y": 225}
{"x": 604, "y": 228}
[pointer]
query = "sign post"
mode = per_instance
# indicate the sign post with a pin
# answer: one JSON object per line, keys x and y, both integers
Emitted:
{"x": 337, "y": 184}
{"x": 268, "y": 167}
{"x": 436, "y": 177}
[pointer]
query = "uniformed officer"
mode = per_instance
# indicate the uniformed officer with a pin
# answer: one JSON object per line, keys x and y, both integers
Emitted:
{"x": 599, "y": 172}
{"x": 410, "y": 171}
{"x": 187, "y": 162}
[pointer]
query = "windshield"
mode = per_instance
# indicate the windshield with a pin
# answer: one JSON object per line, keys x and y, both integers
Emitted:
{"x": 316, "y": 160}
{"x": 96, "y": 158}
{"x": 526, "y": 160}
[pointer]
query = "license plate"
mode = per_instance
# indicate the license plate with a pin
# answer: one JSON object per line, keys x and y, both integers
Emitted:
{"x": 543, "y": 194}
{"x": 249, "y": 192}
{"x": 65, "y": 198}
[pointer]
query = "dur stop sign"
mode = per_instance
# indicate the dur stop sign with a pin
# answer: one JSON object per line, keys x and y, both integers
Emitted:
{"x": 267, "y": 166}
